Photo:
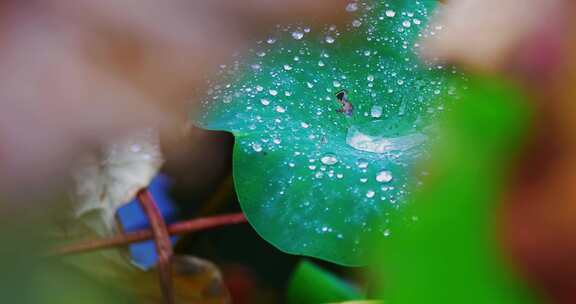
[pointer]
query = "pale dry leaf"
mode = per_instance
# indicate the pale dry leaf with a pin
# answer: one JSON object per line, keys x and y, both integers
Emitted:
{"x": 107, "y": 181}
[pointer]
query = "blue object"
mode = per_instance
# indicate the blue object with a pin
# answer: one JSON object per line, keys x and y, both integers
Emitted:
{"x": 132, "y": 218}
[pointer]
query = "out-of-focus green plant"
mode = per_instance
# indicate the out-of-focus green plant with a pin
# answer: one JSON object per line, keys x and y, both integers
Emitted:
{"x": 450, "y": 253}
{"x": 311, "y": 284}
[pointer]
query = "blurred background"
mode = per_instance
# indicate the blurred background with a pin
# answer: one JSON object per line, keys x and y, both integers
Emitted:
{"x": 76, "y": 74}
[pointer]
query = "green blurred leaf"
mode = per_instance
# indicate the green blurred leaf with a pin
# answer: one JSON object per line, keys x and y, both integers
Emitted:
{"x": 303, "y": 185}
{"x": 312, "y": 284}
{"x": 451, "y": 253}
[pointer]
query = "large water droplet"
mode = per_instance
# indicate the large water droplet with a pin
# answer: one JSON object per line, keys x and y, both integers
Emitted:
{"x": 384, "y": 176}
{"x": 329, "y": 159}
{"x": 381, "y": 144}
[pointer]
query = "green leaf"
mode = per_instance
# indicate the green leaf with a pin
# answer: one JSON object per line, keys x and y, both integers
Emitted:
{"x": 312, "y": 284}
{"x": 451, "y": 253}
{"x": 311, "y": 180}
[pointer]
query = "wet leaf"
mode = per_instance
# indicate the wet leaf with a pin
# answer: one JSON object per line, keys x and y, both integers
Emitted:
{"x": 110, "y": 180}
{"x": 311, "y": 179}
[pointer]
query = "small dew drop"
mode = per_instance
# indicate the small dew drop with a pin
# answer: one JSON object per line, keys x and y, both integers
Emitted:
{"x": 370, "y": 194}
{"x": 287, "y": 67}
{"x": 304, "y": 125}
{"x": 390, "y": 13}
{"x": 362, "y": 163}
{"x": 280, "y": 109}
{"x": 384, "y": 176}
{"x": 329, "y": 39}
{"x": 297, "y": 35}
{"x": 277, "y": 141}
{"x": 356, "y": 23}
{"x": 370, "y": 78}
{"x": 406, "y": 23}
{"x": 257, "y": 147}
{"x": 336, "y": 83}
{"x": 264, "y": 102}
{"x": 271, "y": 40}
{"x": 376, "y": 111}
{"x": 352, "y": 7}
{"x": 273, "y": 92}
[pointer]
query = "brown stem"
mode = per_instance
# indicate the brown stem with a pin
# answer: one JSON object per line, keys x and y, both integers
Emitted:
{"x": 162, "y": 241}
{"x": 146, "y": 234}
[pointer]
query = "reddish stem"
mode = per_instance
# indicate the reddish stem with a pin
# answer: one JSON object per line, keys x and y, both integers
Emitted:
{"x": 146, "y": 234}
{"x": 162, "y": 241}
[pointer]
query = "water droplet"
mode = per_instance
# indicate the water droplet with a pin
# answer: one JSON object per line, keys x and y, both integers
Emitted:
{"x": 370, "y": 78}
{"x": 352, "y": 7}
{"x": 280, "y": 109}
{"x": 417, "y": 21}
{"x": 370, "y": 194}
{"x": 329, "y": 39}
{"x": 339, "y": 175}
{"x": 320, "y": 63}
{"x": 386, "y": 232}
{"x": 271, "y": 40}
{"x": 287, "y": 67}
{"x": 336, "y": 83}
{"x": 297, "y": 35}
{"x": 304, "y": 125}
{"x": 257, "y": 147}
{"x": 376, "y": 111}
{"x": 384, "y": 176}
{"x": 363, "y": 180}
{"x": 259, "y": 88}
{"x": 329, "y": 159}
{"x": 362, "y": 163}
{"x": 356, "y": 23}
{"x": 277, "y": 141}
{"x": 273, "y": 92}
{"x": 264, "y": 101}
{"x": 390, "y": 13}
{"x": 312, "y": 167}
{"x": 406, "y": 23}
